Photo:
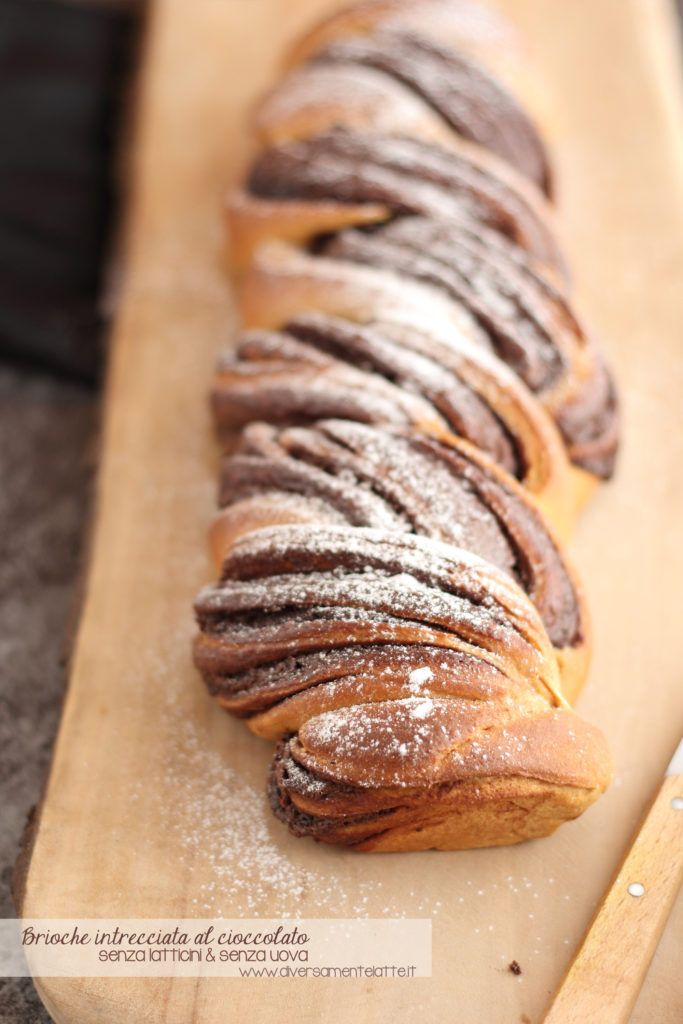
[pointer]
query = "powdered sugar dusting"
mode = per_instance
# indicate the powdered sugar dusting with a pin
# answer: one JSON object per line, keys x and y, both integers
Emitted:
{"x": 418, "y": 677}
{"x": 423, "y": 709}
{"x": 235, "y": 858}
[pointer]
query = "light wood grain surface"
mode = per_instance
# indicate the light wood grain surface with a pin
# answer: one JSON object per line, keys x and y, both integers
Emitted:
{"x": 155, "y": 805}
{"x": 604, "y": 979}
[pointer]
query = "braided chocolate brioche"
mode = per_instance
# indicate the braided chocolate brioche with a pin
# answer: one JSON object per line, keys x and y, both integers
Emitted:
{"x": 413, "y": 418}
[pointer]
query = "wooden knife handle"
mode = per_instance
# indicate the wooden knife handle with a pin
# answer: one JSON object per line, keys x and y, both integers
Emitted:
{"x": 604, "y": 978}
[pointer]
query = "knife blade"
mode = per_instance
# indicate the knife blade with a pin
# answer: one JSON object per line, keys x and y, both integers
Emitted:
{"x": 608, "y": 970}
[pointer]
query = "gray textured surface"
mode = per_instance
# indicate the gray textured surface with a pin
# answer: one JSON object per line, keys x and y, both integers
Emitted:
{"x": 47, "y": 454}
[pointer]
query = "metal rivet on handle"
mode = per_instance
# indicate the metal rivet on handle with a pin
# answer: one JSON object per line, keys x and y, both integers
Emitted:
{"x": 636, "y": 889}
{"x": 677, "y": 803}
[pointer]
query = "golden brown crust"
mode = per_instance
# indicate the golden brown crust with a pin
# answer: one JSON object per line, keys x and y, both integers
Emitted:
{"x": 315, "y": 97}
{"x": 466, "y": 816}
{"x": 468, "y": 25}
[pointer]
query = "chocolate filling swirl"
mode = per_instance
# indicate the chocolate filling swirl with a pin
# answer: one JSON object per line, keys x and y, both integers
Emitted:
{"x": 415, "y": 484}
{"x": 408, "y": 176}
{"x": 468, "y": 98}
{"x": 322, "y": 367}
{"x": 455, "y": 226}
{"x": 309, "y": 592}
{"x": 530, "y": 324}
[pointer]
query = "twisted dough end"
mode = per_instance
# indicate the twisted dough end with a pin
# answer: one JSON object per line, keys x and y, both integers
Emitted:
{"x": 501, "y": 783}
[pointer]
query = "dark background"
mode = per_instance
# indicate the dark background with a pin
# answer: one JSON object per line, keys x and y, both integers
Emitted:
{"x": 67, "y": 73}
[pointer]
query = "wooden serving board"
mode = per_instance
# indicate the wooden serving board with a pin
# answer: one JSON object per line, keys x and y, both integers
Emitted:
{"x": 155, "y": 805}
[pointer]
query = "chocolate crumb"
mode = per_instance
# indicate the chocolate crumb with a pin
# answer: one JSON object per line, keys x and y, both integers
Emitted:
{"x": 514, "y": 967}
